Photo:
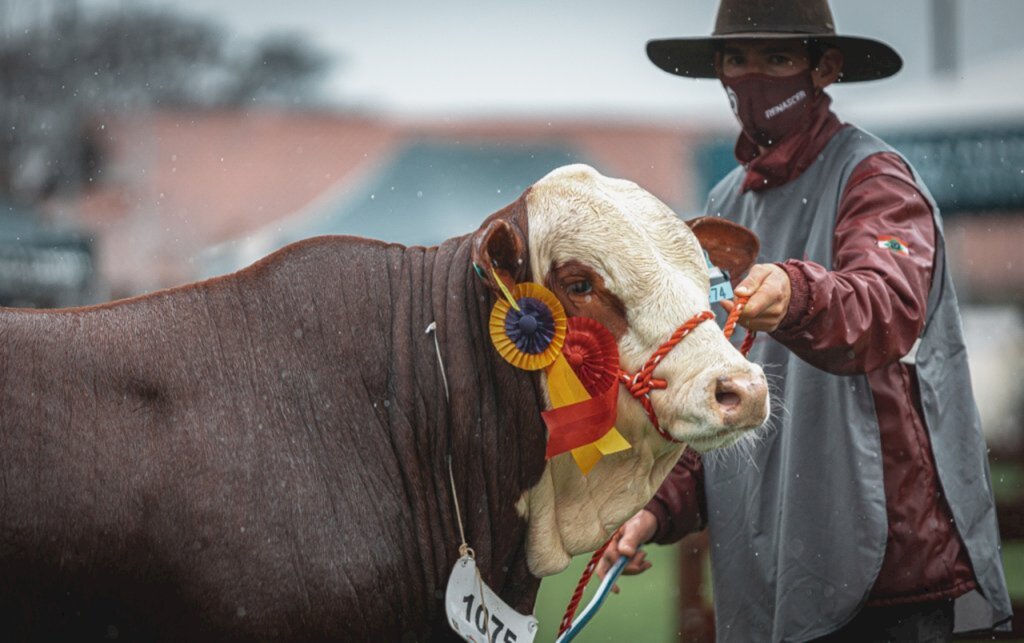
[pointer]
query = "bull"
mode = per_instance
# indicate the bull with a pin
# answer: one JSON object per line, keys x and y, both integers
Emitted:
{"x": 272, "y": 454}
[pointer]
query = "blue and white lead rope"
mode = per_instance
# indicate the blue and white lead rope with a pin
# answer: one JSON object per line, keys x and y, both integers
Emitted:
{"x": 595, "y": 603}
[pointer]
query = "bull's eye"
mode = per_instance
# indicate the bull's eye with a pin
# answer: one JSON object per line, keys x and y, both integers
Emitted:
{"x": 581, "y": 287}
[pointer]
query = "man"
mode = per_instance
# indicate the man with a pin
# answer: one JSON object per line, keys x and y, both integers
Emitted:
{"x": 865, "y": 512}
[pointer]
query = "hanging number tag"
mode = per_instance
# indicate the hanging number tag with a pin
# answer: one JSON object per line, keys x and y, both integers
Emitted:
{"x": 483, "y": 618}
{"x": 721, "y": 287}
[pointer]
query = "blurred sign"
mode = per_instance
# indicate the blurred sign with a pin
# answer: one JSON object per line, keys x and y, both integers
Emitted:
{"x": 971, "y": 170}
{"x": 979, "y": 170}
{"x": 25, "y": 267}
{"x": 45, "y": 273}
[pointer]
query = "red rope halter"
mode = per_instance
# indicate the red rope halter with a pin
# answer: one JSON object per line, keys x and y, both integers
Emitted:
{"x": 640, "y": 385}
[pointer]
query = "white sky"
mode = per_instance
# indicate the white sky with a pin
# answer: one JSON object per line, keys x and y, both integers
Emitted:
{"x": 450, "y": 58}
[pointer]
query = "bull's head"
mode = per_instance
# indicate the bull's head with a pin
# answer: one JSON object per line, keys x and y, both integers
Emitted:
{"x": 611, "y": 251}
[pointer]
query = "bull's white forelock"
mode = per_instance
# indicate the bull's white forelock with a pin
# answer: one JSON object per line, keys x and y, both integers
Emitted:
{"x": 647, "y": 256}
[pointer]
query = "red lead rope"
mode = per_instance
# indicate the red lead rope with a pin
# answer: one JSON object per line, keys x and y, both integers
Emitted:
{"x": 577, "y": 594}
{"x": 640, "y": 385}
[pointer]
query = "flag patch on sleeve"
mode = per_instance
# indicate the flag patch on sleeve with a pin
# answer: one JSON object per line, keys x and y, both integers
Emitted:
{"x": 895, "y": 244}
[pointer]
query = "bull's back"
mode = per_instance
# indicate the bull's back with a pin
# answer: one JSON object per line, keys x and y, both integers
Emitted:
{"x": 201, "y": 460}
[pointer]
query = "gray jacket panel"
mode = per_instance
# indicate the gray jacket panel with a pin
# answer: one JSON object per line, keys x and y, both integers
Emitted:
{"x": 797, "y": 518}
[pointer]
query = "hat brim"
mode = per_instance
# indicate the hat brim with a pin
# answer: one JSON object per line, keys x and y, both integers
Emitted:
{"x": 863, "y": 58}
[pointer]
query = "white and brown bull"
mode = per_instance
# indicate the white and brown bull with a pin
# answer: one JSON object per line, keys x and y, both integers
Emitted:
{"x": 265, "y": 455}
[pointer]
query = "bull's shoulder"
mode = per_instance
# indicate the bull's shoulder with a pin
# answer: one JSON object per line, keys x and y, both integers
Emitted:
{"x": 321, "y": 250}
{"x": 318, "y": 267}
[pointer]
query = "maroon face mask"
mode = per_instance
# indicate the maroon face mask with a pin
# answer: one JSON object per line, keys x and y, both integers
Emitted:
{"x": 770, "y": 107}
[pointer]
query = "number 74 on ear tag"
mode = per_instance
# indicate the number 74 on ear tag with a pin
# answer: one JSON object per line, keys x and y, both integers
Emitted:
{"x": 721, "y": 288}
{"x": 479, "y": 615}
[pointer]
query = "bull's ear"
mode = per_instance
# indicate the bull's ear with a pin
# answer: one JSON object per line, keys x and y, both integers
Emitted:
{"x": 732, "y": 247}
{"x": 500, "y": 247}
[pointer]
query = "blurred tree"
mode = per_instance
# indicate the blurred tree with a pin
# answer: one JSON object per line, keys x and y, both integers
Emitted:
{"x": 64, "y": 71}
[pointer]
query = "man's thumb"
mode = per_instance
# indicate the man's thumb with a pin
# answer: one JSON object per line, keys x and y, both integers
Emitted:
{"x": 630, "y": 540}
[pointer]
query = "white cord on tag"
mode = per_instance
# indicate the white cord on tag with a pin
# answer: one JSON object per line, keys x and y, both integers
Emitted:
{"x": 464, "y": 548}
{"x": 432, "y": 330}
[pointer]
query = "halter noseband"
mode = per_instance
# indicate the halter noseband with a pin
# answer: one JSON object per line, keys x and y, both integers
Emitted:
{"x": 641, "y": 383}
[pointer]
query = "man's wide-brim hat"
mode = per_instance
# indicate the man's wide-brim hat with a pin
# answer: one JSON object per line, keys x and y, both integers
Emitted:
{"x": 863, "y": 58}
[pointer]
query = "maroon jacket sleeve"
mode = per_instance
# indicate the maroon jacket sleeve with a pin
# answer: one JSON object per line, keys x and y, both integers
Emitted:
{"x": 868, "y": 310}
{"x": 679, "y": 504}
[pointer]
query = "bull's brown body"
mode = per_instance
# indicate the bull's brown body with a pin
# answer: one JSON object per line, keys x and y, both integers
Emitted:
{"x": 262, "y": 455}
{"x": 265, "y": 455}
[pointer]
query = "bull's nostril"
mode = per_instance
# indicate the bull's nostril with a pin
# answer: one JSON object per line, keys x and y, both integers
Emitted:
{"x": 727, "y": 399}
{"x": 740, "y": 399}
{"x": 727, "y": 394}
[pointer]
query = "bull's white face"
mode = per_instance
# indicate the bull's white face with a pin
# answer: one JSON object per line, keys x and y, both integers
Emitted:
{"x": 611, "y": 251}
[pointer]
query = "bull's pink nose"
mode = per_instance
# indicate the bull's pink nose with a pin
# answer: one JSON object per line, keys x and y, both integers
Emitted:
{"x": 741, "y": 399}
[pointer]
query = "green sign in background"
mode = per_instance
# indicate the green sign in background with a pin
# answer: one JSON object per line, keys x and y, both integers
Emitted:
{"x": 966, "y": 170}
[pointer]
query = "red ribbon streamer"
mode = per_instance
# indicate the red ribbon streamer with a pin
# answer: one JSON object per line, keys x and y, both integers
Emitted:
{"x": 578, "y": 424}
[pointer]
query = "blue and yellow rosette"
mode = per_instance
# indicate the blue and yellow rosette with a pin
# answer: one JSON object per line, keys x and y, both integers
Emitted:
{"x": 528, "y": 327}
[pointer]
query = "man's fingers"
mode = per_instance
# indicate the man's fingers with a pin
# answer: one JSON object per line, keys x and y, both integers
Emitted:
{"x": 758, "y": 303}
{"x": 628, "y": 545}
{"x": 626, "y": 541}
{"x": 635, "y": 533}
{"x": 768, "y": 289}
{"x": 610, "y": 555}
{"x": 637, "y": 565}
{"x": 607, "y": 560}
{"x": 752, "y": 281}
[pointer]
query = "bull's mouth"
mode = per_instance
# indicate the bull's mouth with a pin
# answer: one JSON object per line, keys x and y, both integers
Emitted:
{"x": 703, "y": 436}
{"x": 715, "y": 439}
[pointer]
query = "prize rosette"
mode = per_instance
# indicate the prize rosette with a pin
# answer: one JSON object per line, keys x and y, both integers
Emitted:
{"x": 529, "y": 335}
{"x": 591, "y": 351}
{"x": 583, "y": 386}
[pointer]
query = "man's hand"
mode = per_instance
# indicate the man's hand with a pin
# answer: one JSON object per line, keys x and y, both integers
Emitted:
{"x": 769, "y": 290}
{"x": 626, "y": 542}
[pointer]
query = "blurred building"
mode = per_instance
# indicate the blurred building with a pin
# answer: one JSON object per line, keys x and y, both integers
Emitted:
{"x": 190, "y": 194}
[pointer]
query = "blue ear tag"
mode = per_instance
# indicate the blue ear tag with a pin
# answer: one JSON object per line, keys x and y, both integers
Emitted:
{"x": 721, "y": 287}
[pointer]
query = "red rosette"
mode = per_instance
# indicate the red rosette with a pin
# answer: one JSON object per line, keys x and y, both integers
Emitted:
{"x": 591, "y": 351}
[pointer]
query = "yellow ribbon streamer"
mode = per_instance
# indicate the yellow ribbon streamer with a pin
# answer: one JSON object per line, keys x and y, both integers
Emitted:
{"x": 504, "y": 290}
{"x": 563, "y": 385}
{"x": 612, "y": 442}
{"x": 565, "y": 388}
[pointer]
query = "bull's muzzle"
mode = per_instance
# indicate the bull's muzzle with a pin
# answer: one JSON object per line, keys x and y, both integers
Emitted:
{"x": 641, "y": 383}
{"x": 740, "y": 401}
